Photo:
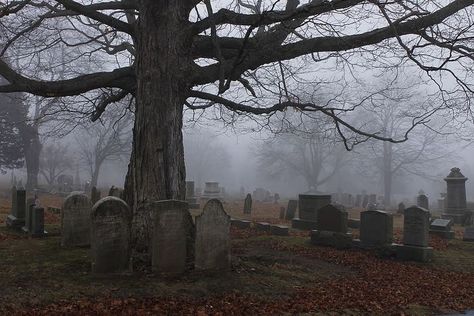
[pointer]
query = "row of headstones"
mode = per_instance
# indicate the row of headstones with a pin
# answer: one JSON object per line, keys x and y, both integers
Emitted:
{"x": 176, "y": 242}
{"x": 376, "y": 230}
{"x": 26, "y": 214}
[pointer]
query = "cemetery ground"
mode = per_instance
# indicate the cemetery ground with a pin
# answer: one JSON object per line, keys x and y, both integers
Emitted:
{"x": 270, "y": 275}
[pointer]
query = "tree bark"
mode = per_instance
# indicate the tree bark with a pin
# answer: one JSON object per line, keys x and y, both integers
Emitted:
{"x": 156, "y": 169}
{"x": 32, "y": 148}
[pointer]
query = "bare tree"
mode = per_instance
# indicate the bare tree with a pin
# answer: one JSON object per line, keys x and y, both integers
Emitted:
{"x": 169, "y": 54}
{"x": 99, "y": 143}
{"x": 55, "y": 159}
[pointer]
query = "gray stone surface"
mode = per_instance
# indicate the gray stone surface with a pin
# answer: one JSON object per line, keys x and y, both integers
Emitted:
{"x": 456, "y": 202}
{"x": 240, "y": 223}
{"x": 310, "y": 204}
{"x": 468, "y": 234}
{"x": 262, "y": 226}
{"x": 332, "y": 218}
{"x": 291, "y": 209}
{"x": 301, "y": 224}
{"x": 76, "y": 220}
{"x": 279, "y": 230}
{"x": 414, "y": 253}
{"x": 95, "y": 195}
{"x": 376, "y": 229}
{"x": 441, "y": 224}
{"x": 416, "y": 225}
{"x": 37, "y": 222}
{"x": 189, "y": 189}
{"x": 212, "y": 248}
{"x": 173, "y": 237}
{"x": 248, "y": 204}
{"x": 110, "y": 236}
{"x": 29, "y": 215}
{"x": 422, "y": 201}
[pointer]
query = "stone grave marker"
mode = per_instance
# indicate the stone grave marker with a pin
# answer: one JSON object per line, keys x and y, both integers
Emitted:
{"x": 110, "y": 236}
{"x": 332, "y": 228}
{"x": 416, "y": 225}
{"x": 16, "y": 219}
{"x": 30, "y": 205}
{"x": 468, "y": 234}
{"x": 422, "y": 201}
{"x": 455, "y": 201}
{"x": 212, "y": 248}
{"x": 37, "y": 222}
{"x": 308, "y": 210}
{"x": 76, "y": 220}
{"x": 173, "y": 237}
{"x": 442, "y": 228}
{"x": 248, "y": 204}
{"x": 401, "y": 208}
{"x": 376, "y": 229}
{"x": 291, "y": 209}
{"x": 279, "y": 230}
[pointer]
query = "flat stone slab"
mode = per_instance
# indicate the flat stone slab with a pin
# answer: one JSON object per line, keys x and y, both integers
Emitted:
{"x": 302, "y": 224}
{"x": 279, "y": 230}
{"x": 441, "y": 224}
{"x": 240, "y": 223}
{"x": 262, "y": 226}
{"x": 331, "y": 239}
{"x": 414, "y": 253}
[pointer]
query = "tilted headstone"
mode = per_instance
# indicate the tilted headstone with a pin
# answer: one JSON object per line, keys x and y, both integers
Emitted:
{"x": 95, "y": 195}
{"x": 76, "y": 220}
{"x": 248, "y": 204}
{"x": 332, "y": 218}
{"x": 376, "y": 228}
{"x": 422, "y": 201}
{"x": 416, "y": 225}
{"x": 37, "y": 222}
{"x": 291, "y": 209}
{"x": 111, "y": 220}
{"x": 212, "y": 248}
{"x": 173, "y": 237}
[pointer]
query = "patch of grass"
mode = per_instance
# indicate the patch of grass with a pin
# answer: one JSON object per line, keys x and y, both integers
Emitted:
{"x": 459, "y": 256}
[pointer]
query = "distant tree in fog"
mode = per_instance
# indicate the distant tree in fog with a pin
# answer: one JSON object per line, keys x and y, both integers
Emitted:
{"x": 303, "y": 147}
{"x": 55, "y": 159}
{"x": 11, "y": 151}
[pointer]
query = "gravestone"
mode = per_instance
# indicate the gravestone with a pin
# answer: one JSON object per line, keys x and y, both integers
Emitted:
{"x": 468, "y": 234}
{"x": 422, "y": 201}
{"x": 332, "y": 228}
{"x": 442, "y": 228}
{"x": 96, "y": 195}
{"x": 37, "y": 222}
{"x": 190, "y": 196}
{"x": 240, "y": 223}
{"x": 212, "y": 248}
{"x": 456, "y": 203}
{"x": 291, "y": 209}
{"x": 110, "y": 236}
{"x": 173, "y": 237}
{"x": 332, "y": 218}
{"x": 282, "y": 213}
{"x": 308, "y": 210}
{"x": 376, "y": 229}
{"x": 16, "y": 219}
{"x": 248, "y": 204}
{"x": 76, "y": 220}
{"x": 279, "y": 230}
{"x": 262, "y": 226}
{"x": 416, "y": 224}
{"x": 212, "y": 190}
{"x": 30, "y": 205}
{"x": 401, "y": 208}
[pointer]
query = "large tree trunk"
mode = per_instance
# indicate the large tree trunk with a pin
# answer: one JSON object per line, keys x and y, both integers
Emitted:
{"x": 156, "y": 170}
{"x": 32, "y": 148}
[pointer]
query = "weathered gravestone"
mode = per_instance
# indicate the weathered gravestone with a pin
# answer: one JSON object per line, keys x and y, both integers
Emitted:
{"x": 468, "y": 234}
{"x": 376, "y": 229}
{"x": 442, "y": 228}
{"x": 332, "y": 227}
{"x": 30, "y": 205}
{"x": 291, "y": 209}
{"x": 212, "y": 250}
{"x": 96, "y": 195}
{"x": 110, "y": 236}
{"x": 16, "y": 219}
{"x": 456, "y": 202}
{"x": 263, "y": 226}
{"x": 173, "y": 237}
{"x": 416, "y": 225}
{"x": 76, "y": 220}
{"x": 308, "y": 210}
{"x": 248, "y": 204}
{"x": 37, "y": 222}
{"x": 279, "y": 230}
{"x": 422, "y": 201}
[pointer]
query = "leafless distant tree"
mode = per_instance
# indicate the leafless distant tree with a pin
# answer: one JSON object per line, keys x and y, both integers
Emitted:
{"x": 171, "y": 54}
{"x": 55, "y": 159}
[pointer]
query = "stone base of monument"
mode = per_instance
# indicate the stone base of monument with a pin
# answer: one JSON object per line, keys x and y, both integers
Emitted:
{"x": 240, "y": 223}
{"x": 302, "y": 224}
{"x": 364, "y": 245}
{"x": 262, "y": 226}
{"x": 353, "y": 223}
{"x": 332, "y": 239}
{"x": 15, "y": 223}
{"x": 279, "y": 230}
{"x": 414, "y": 253}
{"x": 443, "y": 234}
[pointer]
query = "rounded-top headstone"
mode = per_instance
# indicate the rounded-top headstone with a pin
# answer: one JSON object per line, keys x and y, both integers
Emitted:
{"x": 110, "y": 235}
{"x": 416, "y": 224}
{"x": 75, "y": 220}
